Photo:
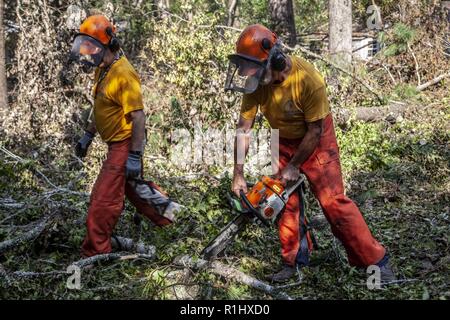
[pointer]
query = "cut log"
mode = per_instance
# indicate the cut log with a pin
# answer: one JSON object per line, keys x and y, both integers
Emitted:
{"x": 390, "y": 113}
{"x": 230, "y": 274}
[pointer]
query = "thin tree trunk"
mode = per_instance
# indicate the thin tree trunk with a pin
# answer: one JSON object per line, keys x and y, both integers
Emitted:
{"x": 340, "y": 31}
{"x": 283, "y": 20}
{"x": 3, "y": 85}
{"x": 232, "y": 12}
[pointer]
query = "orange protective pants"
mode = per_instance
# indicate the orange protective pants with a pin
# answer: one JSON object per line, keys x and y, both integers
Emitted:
{"x": 323, "y": 171}
{"x": 107, "y": 201}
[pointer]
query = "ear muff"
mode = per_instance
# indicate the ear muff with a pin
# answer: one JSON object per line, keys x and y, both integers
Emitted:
{"x": 266, "y": 44}
{"x": 278, "y": 60}
{"x": 114, "y": 43}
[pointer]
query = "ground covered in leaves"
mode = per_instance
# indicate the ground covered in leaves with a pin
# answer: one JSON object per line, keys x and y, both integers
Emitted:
{"x": 397, "y": 173}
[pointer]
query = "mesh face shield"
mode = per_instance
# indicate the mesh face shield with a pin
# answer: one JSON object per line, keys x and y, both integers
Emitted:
{"x": 244, "y": 74}
{"x": 87, "y": 51}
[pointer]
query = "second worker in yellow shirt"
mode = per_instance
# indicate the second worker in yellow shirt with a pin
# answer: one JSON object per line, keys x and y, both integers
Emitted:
{"x": 120, "y": 121}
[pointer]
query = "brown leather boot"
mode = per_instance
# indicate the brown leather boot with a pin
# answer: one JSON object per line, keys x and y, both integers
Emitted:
{"x": 387, "y": 274}
{"x": 283, "y": 275}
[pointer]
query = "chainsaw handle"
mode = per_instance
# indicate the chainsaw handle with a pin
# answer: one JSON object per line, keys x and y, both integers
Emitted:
{"x": 252, "y": 209}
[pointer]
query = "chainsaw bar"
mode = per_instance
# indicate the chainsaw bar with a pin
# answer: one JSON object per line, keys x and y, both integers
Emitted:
{"x": 217, "y": 245}
{"x": 222, "y": 240}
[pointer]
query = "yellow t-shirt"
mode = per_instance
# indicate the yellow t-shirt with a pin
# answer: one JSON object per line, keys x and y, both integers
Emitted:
{"x": 300, "y": 98}
{"x": 115, "y": 97}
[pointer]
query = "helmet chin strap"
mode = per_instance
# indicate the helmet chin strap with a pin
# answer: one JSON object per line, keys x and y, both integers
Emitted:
{"x": 266, "y": 77}
{"x": 116, "y": 56}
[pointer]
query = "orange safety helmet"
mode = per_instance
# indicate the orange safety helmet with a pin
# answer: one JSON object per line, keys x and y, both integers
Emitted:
{"x": 96, "y": 34}
{"x": 258, "y": 51}
{"x": 255, "y": 42}
{"x": 99, "y": 28}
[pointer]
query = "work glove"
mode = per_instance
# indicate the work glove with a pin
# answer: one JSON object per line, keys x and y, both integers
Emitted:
{"x": 134, "y": 165}
{"x": 83, "y": 144}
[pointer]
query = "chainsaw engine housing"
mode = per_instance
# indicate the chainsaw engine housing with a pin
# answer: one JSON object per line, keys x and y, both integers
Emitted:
{"x": 268, "y": 197}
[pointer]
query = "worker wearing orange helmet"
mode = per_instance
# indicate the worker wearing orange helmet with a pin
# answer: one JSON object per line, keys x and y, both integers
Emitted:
{"x": 291, "y": 94}
{"x": 120, "y": 121}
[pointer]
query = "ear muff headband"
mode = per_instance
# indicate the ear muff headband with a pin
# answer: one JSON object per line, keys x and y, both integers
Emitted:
{"x": 114, "y": 43}
{"x": 278, "y": 58}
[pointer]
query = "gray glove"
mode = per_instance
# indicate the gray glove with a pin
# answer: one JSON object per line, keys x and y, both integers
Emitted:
{"x": 83, "y": 144}
{"x": 134, "y": 165}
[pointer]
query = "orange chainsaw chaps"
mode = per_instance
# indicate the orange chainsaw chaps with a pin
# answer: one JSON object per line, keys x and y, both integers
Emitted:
{"x": 323, "y": 171}
{"x": 107, "y": 201}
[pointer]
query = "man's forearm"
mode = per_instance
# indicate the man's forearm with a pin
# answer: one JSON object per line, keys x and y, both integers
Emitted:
{"x": 307, "y": 146}
{"x": 138, "y": 132}
{"x": 91, "y": 125}
{"x": 241, "y": 142}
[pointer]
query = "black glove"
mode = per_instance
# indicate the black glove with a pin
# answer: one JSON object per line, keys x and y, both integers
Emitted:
{"x": 83, "y": 144}
{"x": 134, "y": 165}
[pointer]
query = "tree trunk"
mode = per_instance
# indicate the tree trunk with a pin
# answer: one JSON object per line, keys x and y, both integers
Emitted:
{"x": 3, "y": 85}
{"x": 232, "y": 12}
{"x": 283, "y": 20}
{"x": 340, "y": 31}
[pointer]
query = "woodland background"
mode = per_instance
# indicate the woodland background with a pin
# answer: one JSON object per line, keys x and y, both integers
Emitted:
{"x": 393, "y": 130}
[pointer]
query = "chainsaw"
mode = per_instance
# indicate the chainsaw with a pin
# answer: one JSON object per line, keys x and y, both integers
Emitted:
{"x": 265, "y": 202}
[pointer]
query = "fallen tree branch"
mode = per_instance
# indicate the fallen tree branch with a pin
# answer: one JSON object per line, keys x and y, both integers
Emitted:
{"x": 432, "y": 82}
{"x": 374, "y": 114}
{"x": 32, "y": 274}
{"x": 231, "y": 274}
{"x": 289, "y": 285}
{"x": 11, "y": 204}
{"x": 21, "y": 160}
{"x": 108, "y": 257}
{"x": 391, "y": 113}
{"x": 416, "y": 63}
{"x": 148, "y": 254}
{"x": 49, "y": 193}
{"x": 27, "y": 236}
{"x": 142, "y": 250}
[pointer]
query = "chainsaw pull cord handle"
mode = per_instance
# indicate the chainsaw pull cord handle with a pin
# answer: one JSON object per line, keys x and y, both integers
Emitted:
{"x": 253, "y": 209}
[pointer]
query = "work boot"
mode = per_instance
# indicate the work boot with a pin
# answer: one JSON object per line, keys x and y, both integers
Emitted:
{"x": 386, "y": 273}
{"x": 283, "y": 275}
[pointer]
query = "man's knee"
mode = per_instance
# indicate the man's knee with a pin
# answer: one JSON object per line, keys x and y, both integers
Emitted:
{"x": 104, "y": 212}
{"x": 339, "y": 207}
